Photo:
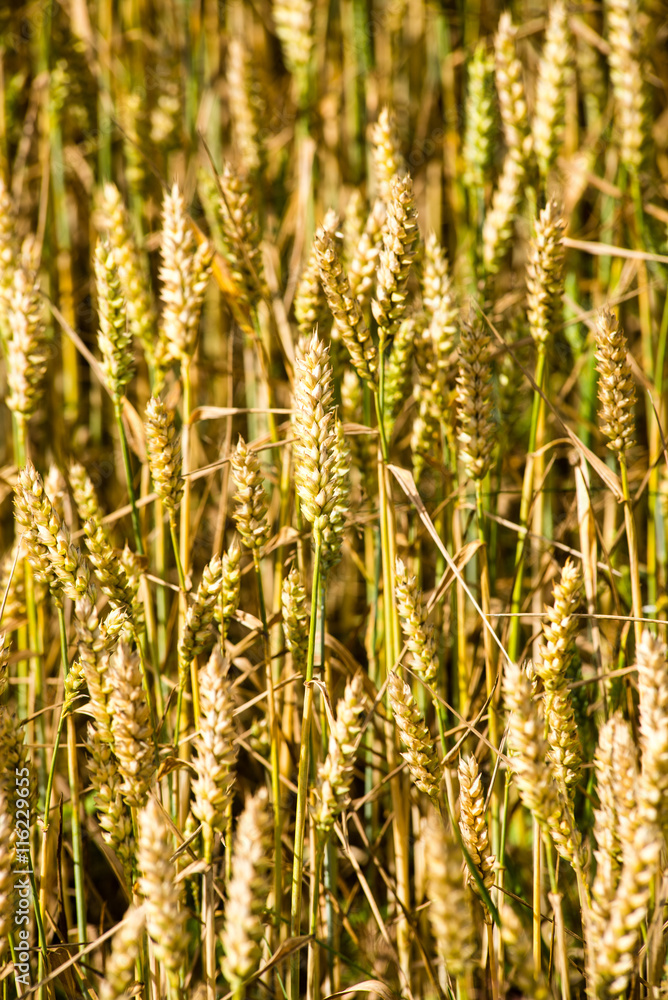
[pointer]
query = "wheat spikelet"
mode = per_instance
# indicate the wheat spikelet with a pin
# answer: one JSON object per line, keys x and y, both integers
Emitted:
{"x": 295, "y": 618}
{"x": 400, "y": 234}
{"x": 480, "y": 126}
{"x": 413, "y": 617}
{"x": 336, "y": 773}
{"x": 197, "y": 628}
{"x": 362, "y": 266}
{"x": 626, "y": 77}
{"x": 354, "y": 221}
{"x": 420, "y": 755}
{"x": 114, "y": 338}
{"x": 119, "y": 970}
{"x": 113, "y": 219}
{"x": 12, "y": 589}
{"x": 85, "y": 497}
{"x": 387, "y": 158}
{"x": 130, "y": 724}
{"x": 163, "y": 897}
{"x": 25, "y": 347}
{"x": 244, "y": 105}
{"x": 544, "y": 273}
{"x": 653, "y": 696}
{"x": 352, "y": 412}
{"x": 474, "y": 399}
{"x": 449, "y": 909}
{"x": 184, "y": 273}
{"x": 164, "y": 454}
{"x": 108, "y": 569}
{"x": 251, "y": 499}
{"x": 93, "y": 654}
{"x": 472, "y": 823}
{"x": 343, "y": 305}
{"x": 214, "y": 748}
{"x": 616, "y": 389}
{"x": 548, "y": 119}
{"x": 247, "y": 891}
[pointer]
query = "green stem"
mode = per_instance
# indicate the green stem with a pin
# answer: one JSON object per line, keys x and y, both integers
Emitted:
{"x": 514, "y": 634}
{"x": 77, "y": 860}
{"x": 274, "y": 751}
{"x": 302, "y": 781}
{"x": 128, "y": 475}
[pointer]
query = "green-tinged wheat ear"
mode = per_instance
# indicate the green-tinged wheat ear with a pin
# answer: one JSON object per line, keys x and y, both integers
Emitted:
{"x": 197, "y": 634}
{"x": 9, "y": 250}
{"x": 510, "y": 88}
{"x": 114, "y": 220}
{"x": 477, "y": 431}
{"x": 251, "y": 499}
{"x": 387, "y": 159}
{"x": 130, "y": 725}
{"x": 556, "y": 651}
{"x": 545, "y": 273}
{"x": 25, "y": 347}
{"x": 295, "y": 618}
{"x": 400, "y": 235}
{"x": 345, "y": 308}
{"x": 616, "y": 388}
{"x": 398, "y": 369}
{"x": 15, "y": 756}
{"x": 163, "y": 896}
{"x": 294, "y": 27}
{"x": 113, "y": 814}
{"x": 477, "y": 148}
{"x": 247, "y": 891}
{"x": 164, "y": 454}
{"x": 335, "y": 525}
{"x": 418, "y": 633}
{"x": 472, "y": 822}
{"x": 4, "y": 661}
{"x": 114, "y": 337}
{"x": 230, "y": 590}
{"x": 336, "y": 773}
{"x": 317, "y": 472}
{"x": 215, "y": 750}
{"x": 420, "y": 754}
{"x": 184, "y": 273}
{"x": 626, "y": 76}
{"x": 7, "y": 878}
{"x": 548, "y": 119}
{"x": 245, "y": 106}
{"x": 240, "y": 233}
{"x": 497, "y": 230}
{"x": 362, "y": 264}
{"x": 310, "y": 301}
{"x": 119, "y": 969}
{"x": 449, "y": 904}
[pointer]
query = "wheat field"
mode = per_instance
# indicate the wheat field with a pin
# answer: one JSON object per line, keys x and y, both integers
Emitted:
{"x": 334, "y": 499}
